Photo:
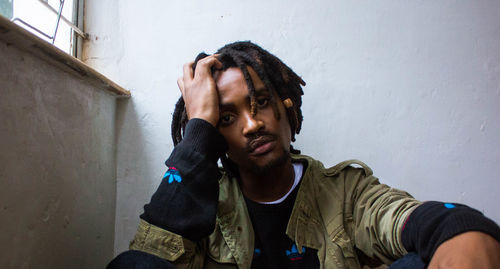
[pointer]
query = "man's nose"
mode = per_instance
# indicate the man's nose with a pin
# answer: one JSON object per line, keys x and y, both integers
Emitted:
{"x": 252, "y": 124}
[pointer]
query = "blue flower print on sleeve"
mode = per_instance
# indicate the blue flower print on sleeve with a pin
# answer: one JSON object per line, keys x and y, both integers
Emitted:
{"x": 449, "y": 205}
{"x": 173, "y": 175}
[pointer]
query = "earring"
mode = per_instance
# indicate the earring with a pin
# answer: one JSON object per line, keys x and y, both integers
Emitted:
{"x": 287, "y": 103}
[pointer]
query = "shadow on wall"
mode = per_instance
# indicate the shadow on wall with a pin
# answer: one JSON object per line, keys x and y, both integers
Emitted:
{"x": 133, "y": 171}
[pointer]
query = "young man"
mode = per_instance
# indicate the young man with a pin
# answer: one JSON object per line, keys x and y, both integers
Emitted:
{"x": 269, "y": 207}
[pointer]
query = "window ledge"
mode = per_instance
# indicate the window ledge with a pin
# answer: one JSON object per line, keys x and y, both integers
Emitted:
{"x": 13, "y": 34}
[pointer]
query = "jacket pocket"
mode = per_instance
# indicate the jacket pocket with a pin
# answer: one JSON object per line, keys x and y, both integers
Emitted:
{"x": 342, "y": 250}
{"x": 342, "y": 240}
{"x": 218, "y": 250}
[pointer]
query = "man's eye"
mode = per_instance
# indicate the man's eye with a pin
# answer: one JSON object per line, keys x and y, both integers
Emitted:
{"x": 226, "y": 119}
{"x": 262, "y": 101}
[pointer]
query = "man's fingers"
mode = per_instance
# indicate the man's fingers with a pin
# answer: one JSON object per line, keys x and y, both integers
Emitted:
{"x": 199, "y": 90}
{"x": 204, "y": 66}
{"x": 188, "y": 70}
{"x": 218, "y": 64}
{"x": 180, "y": 83}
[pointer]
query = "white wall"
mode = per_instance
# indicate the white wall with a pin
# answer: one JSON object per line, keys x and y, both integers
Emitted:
{"x": 57, "y": 165}
{"x": 411, "y": 88}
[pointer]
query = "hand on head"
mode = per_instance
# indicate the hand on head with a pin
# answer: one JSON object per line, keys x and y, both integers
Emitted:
{"x": 199, "y": 90}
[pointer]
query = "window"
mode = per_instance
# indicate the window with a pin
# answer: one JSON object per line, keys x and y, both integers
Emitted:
{"x": 55, "y": 21}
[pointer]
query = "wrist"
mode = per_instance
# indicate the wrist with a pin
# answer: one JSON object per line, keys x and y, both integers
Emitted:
{"x": 203, "y": 137}
{"x": 204, "y": 112}
{"x": 206, "y": 117}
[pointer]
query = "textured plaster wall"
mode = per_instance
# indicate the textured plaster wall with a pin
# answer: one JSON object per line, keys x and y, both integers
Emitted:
{"x": 57, "y": 166}
{"x": 411, "y": 88}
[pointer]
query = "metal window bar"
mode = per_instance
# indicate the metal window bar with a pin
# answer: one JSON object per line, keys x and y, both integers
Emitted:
{"x": 59, "y": 17}
{"x": 77, "y": 40}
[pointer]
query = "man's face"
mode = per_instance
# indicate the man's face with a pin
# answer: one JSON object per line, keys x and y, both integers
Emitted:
{"x": 256, "y": 143}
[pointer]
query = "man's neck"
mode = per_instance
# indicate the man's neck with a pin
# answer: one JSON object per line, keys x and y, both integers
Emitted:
{"x": 269, "y": 186}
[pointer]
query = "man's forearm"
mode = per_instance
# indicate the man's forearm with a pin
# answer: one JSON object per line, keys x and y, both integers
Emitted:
{"x": 432, "y": 223}
{"x": 186, "y": 200}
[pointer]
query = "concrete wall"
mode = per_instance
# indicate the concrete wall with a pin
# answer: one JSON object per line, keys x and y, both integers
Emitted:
{"x": 57, "y": 166}
{"x": 411, "y": 88}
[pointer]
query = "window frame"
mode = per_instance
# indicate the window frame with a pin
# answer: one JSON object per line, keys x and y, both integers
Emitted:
{"x": 77, "y": 35}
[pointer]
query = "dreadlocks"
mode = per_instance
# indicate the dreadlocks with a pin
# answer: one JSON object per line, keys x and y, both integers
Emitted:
{"x": 277, "y": 77}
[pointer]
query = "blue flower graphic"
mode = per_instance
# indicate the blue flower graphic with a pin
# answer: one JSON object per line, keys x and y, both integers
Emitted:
{"x": 257, "y": 252}
{"x": 173, "y": 175}
{"x": 294, "y": 254}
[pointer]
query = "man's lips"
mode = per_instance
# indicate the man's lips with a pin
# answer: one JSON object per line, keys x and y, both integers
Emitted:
{"x": 260, "y": 145}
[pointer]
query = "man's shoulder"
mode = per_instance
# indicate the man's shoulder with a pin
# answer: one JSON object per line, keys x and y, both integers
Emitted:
{"x": 315, "y": 165}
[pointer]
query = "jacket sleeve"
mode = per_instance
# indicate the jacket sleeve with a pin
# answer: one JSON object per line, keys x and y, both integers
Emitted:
{"x": 378, "y": 214}
{"x": 432, "y": 223}
{"x": 181, "y": 213}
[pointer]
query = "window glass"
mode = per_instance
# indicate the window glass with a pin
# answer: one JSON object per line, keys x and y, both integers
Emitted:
{"x": 40, "y": 14}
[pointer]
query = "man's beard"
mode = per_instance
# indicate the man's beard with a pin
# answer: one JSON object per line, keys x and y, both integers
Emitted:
{"x": 263, "y": 169}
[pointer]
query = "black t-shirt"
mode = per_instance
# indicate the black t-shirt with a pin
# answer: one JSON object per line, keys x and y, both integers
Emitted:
{"x": 273, "y": 248}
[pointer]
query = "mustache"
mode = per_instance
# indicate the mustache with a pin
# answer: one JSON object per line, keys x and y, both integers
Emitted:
{"x": 258, "y": 140}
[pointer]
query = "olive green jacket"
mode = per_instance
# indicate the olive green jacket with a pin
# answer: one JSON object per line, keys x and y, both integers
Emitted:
{"x": 337, "y": 210}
